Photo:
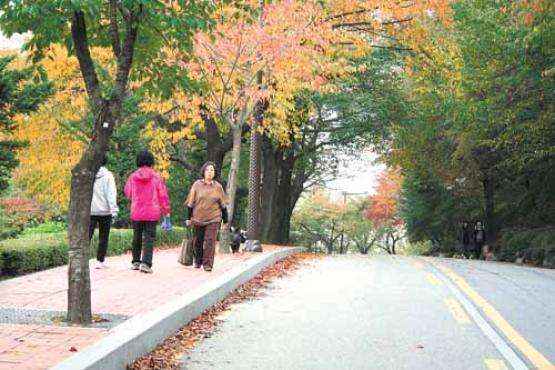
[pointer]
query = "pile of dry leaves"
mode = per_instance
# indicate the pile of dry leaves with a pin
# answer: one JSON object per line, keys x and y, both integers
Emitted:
{"x": 168, "y": 354}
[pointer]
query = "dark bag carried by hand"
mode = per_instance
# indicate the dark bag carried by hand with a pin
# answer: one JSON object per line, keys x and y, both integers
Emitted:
{"x": 186, "y": 255}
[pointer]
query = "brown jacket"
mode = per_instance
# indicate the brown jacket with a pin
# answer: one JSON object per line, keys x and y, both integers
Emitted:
{"x": 206, "y": 199}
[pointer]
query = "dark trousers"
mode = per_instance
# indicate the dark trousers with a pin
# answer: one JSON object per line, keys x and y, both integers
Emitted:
{"x": 104, "y": 223}
{"x": 148, "y": 230}
{"x": 205, "y": 244}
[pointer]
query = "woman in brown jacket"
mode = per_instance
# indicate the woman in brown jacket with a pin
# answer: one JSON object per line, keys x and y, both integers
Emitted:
{"x": 206, "y": 205}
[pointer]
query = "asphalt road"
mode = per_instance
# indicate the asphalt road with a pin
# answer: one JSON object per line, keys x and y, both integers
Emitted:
{"x": 384, "y": 312}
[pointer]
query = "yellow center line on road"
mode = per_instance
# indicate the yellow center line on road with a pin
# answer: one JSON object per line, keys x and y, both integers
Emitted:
{"x": 457, "y": 311}
{"x": 534, "y": 356}
{"x": 432, "y": 279}
{"x": 495, "y": 364}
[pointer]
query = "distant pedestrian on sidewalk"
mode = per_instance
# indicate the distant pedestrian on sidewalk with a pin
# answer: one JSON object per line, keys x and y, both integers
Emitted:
{"x": 149, "y": 201}
{"x": 206, "y": 206}
{"x": 103, "y": 208}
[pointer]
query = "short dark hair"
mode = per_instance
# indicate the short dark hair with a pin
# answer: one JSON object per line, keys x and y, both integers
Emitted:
{"x": 145, "y": 158}
{"x": 104, "y": 160}
{"x": 205, "y": 166}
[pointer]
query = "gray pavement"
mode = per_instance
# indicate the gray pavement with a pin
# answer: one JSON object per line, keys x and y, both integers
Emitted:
{"x": 524, "y": 296}
{"x": 351, "y": 312}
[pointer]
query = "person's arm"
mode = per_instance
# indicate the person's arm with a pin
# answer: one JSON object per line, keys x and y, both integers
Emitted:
{"x": 163, "y": 197}
{"x": 223, "y": 201}
{"x": 112, "y": 195}
{"x": 190, "y": 203}
{"x": 128, "y": 191}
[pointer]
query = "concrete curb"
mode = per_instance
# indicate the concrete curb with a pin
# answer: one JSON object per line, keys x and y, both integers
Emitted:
{"x": 140, "y": 334}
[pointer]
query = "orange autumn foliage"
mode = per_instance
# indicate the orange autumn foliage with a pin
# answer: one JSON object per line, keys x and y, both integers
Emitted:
{"x": 383, "y": 209}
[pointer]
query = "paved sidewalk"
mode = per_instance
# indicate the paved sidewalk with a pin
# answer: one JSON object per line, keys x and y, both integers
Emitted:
{"x": 31, "y": 335}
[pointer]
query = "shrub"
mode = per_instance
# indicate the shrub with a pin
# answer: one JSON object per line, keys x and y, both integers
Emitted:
{"x": 536, "y": 246}
{"x": 17, "y": 213}
{"x": 45, "y": 228}
{"x": 421, "y": 248}
{"x": 35, "y": 252}
{"x": 7, "y": 230}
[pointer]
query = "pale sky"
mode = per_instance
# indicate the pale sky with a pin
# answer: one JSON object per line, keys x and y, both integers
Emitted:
{"x": 359, "y": 175}
{"x": 13, "y": 42}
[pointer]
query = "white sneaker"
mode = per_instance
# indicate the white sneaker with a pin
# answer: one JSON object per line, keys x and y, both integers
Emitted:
{"x": 101, "y": 265}
{"x": 144, "y": 268}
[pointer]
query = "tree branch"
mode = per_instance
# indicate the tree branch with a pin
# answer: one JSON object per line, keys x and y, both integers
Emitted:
{"x": 114, "y": 30}
{"x": 182, "y": 163}
{"x": 80, "y": 41}
{"x": 126, "y": 57}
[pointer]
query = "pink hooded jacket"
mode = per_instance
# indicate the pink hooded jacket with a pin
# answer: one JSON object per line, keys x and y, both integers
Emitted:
{"x": 148, "y": 195}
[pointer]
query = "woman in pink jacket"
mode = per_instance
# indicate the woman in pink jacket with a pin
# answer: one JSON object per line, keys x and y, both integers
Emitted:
{"x": 149, "y": 201}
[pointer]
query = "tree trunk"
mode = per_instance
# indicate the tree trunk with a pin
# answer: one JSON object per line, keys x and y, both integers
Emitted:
{"x": 237, "y": 130}
{"x": 82, "y": 180}
{"x": 106, "y": 113}
{"x": 253, "y": 229}
{"x": 270, "y": 173}
{"x": 490, "y": 221}
{"x": 215, "y": 152}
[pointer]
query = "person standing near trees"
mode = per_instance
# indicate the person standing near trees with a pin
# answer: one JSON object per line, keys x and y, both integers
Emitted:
{"x": 103, "y": 208}
{"x": 206, "y": 206}
{"x": 148, "y": 194}
{"x": 479, "y": 238}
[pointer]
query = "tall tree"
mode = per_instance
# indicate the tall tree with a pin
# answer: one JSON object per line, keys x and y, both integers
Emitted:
{"x": 135, "y": 31}
{"x": 22, "y": 90}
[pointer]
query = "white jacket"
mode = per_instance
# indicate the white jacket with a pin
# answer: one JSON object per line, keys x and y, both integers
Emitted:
{"x": 104, "y": 200}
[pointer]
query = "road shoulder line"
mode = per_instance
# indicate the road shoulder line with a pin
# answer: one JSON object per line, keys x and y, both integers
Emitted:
{"x": 506, "y": 351}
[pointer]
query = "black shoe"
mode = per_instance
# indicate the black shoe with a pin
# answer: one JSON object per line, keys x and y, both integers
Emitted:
{"x": 208, "y": 269}
{"x": 197, "y": 266}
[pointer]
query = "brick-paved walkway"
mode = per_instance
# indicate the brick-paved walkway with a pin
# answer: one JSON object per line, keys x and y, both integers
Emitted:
{"x": 117, "y": 290}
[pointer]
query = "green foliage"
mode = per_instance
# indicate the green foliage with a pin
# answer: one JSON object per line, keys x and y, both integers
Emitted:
{"x": 40, "y": 251}
{"x": 7, "y": 229}
{"x": 358, "y": 229}
{"x": 433, "y": 212}
{"x": 127, "y": 141}
{"x": 178, "y": 184}
{"x": 21, "y": 91}
{"x": 160, "y": 24}
{"x": 45, "y": 228}
{"x": 532, "y": 245}
{"x": 474, "y": 109}
{"x": 421, "y": 248}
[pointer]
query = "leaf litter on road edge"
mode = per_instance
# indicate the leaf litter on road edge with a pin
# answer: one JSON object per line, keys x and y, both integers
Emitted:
{"x": 167, "y": 355}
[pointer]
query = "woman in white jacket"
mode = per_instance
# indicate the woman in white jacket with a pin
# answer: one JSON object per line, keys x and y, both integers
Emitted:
{"x": 103, "y": 208}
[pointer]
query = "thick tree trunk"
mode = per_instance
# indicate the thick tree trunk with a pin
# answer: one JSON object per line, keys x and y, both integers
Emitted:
{"x": 237, "y": 130}
{"x": 270, "y": 173}
{"x": 106, "y": 113}
{"x": 253, "y": 208}
{"x": 253, "y": 229}
{"x": 215, "y": 151}
{"x": 279, "y": 193}
{"x": 82, "y": 180}
{"x": 278, "y": 231}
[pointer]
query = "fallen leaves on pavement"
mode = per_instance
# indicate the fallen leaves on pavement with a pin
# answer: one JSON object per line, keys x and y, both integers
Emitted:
{"x": 168, "y": 354}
